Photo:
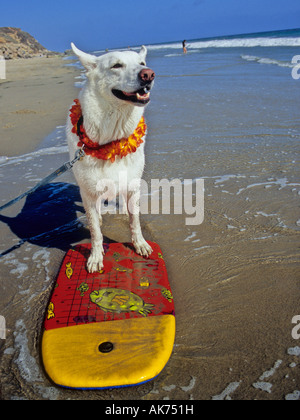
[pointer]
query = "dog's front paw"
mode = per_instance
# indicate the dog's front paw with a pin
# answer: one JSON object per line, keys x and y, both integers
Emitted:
{"x": 95, "y": 262}
{"x": 143, "y": 248}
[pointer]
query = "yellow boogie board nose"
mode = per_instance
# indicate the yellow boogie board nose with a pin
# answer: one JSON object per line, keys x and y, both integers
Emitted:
{"x": 140, "y": 350}
{"x": 110, "y": 329}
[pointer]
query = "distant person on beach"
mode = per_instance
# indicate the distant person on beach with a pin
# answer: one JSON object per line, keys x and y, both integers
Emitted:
{"x": 184, "y": 46}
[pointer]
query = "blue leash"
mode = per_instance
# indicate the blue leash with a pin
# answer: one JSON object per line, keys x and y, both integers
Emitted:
{"x": 64, "y": 168}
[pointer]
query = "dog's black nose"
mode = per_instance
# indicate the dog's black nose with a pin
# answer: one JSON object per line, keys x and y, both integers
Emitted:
{"x": 146, "y": 76}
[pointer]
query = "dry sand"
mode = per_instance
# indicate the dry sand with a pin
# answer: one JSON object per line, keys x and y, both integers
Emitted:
{"x": 34, "y": 99}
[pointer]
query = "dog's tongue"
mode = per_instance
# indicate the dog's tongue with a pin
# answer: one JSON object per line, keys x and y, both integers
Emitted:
{"x": 140, "y": 94}
{"x": 129, "y": 94}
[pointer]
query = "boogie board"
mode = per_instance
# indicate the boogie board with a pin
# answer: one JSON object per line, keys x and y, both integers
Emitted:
{"x": 112, "y": 328}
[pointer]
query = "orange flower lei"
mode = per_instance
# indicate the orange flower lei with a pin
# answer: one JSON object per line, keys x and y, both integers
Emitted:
{"x": 107, "y": 151}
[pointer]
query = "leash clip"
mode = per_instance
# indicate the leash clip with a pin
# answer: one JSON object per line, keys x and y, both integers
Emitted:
{"x": 79, "y": 155}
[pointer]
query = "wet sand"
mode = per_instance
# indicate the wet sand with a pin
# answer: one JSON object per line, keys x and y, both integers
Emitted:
{"x": 235, "y": 277}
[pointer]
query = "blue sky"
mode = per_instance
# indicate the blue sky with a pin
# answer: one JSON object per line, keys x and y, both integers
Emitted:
{"x": 98, "y": 24}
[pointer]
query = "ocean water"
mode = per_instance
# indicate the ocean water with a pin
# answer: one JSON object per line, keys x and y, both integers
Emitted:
{"x": 226, "y": 112}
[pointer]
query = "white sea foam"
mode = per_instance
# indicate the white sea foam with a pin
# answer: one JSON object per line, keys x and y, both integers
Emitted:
{"x": 271, "y": 372}
{"x": 233, "y": 43}
{"x": 295, "y": 396}
{"x": 224, "y": 178}
{"x": 262, "y": 60}
{"x": 263, "y": 386}
{"x": 19, "y": 270}
{"x": 190, "y": 386}
{"x": 294, "y": 351}
{"x": 193, "y": 235}
{"x": 19, "y": 267}
{"x": 282, "y": 182}
{"x": 4, "y": 161}
{"x": 28, "y": 367}
{"x": 27, "y": 364}
{"x": 248, "y": 43}
{"x": 225, "y": 395}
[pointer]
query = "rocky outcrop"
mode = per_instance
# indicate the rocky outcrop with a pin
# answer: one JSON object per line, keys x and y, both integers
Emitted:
{"x": 15, "y": 43}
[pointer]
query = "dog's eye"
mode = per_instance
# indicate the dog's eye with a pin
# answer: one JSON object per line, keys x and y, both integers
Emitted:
{"x": 117, "y": 66}
{"x": 142, "y": 63}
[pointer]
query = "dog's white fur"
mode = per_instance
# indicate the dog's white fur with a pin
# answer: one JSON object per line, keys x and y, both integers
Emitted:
{"x": 107, "y": 118}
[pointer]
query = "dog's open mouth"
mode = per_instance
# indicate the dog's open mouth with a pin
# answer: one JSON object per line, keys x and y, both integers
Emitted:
{"x": 141, "y": 96}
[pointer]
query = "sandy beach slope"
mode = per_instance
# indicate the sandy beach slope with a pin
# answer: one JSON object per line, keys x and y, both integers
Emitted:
{"x": 34, "y": 99}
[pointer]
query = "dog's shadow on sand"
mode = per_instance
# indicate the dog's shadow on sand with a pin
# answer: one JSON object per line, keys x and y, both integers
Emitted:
{"x": 49, "y": 218}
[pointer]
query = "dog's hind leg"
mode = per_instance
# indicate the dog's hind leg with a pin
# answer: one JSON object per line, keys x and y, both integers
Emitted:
{"x": 139, "y": 243}
{"x": 95, "y": 261}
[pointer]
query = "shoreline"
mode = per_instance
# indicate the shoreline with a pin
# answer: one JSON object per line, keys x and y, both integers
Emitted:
{"x": 35, "y": 98}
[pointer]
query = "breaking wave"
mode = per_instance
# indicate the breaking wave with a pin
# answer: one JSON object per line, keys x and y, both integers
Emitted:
{"x": 262, "y": 60}
{"x": 234, "y": 43}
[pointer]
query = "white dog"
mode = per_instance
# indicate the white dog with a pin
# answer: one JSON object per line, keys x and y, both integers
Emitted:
{"x": 112, "y": 104}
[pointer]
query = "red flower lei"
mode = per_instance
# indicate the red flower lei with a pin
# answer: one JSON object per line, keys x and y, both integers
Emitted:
{"x": 107, "y": 151}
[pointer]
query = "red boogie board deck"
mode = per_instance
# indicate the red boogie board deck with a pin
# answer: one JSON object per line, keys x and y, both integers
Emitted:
{"x": 112, "y": 328}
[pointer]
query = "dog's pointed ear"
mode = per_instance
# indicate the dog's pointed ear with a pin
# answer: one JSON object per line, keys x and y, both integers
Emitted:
{"x": 88, "y": 61}
{"x": 143, "y": 52}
